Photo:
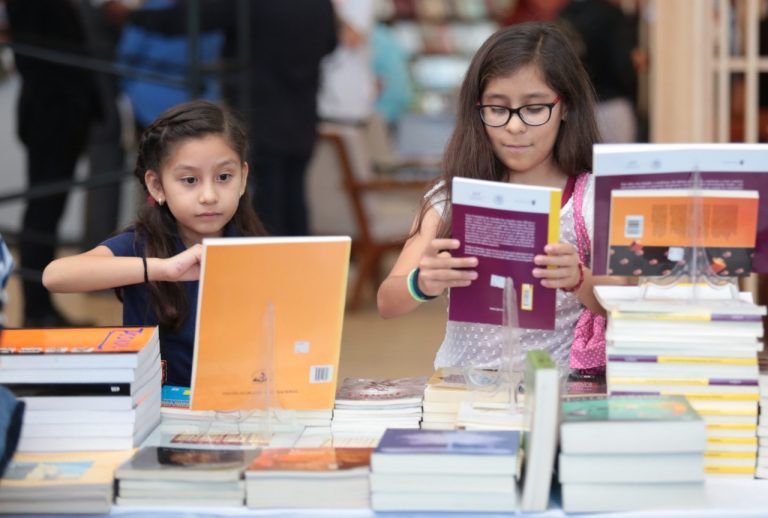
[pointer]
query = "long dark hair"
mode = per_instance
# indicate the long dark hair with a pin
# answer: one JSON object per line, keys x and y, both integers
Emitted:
{"x": 469, "y": 152}
{"x": 155, "y": 225}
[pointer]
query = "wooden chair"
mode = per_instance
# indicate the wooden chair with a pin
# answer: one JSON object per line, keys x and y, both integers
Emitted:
{"x": 347, "y": 195}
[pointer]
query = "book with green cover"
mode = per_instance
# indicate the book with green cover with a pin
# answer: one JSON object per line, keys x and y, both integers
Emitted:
{"x": 619, "y": 424}
{"x": 542, "y": 398}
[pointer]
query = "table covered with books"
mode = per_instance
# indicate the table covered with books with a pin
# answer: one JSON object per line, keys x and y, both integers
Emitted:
{"x": 725, "y": 498}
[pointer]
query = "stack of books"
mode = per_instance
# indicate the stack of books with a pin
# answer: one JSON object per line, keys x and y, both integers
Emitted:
{"x": 309, "y": 478}
{"x": 445, "y": 470}
{"x": 165, "y": 476}
{"x": 85, "y": 389}
{"x": 622, "y": 453}
{"x": 448, "y": 388}
{"x": 369, "y": 405}
{"x": 762, "y": 429}
{"x": 705, "y": 350}
{"x": 53, "y": 483}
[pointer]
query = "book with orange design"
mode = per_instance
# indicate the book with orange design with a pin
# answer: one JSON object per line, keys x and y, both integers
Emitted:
{"x": 650, "y": 230}
{"x": 77, "y": 347}
{"x": 269, "y": 322}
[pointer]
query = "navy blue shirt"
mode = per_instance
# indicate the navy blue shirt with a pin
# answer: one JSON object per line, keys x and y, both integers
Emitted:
{"x": 176, "y": 347}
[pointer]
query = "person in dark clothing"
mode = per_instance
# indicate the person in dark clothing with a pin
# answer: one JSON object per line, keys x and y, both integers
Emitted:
{"x": 55, "y": 108}
{"x": 604, "y": 39}
{"x": 287, "y": 42}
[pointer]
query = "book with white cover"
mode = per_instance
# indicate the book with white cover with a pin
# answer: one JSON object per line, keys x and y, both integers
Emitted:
{"x": 646, "y": 424}
{"x": 447, "y": 451}
{"x": 542, "y": 405}
{"x": 678, "y": 299}
{"x": 604, "y": 497}
{"x": 630, "y": 468}
{"x": 455, "y": 483}
{"x": 439, "y": 501}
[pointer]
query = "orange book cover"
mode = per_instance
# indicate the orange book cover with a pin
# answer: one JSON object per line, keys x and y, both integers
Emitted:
{"x": 302, "y": 283}
{"x": 311, "y": 459}
{"x": 651, "y": 229}
{"x": 76, "y": 340}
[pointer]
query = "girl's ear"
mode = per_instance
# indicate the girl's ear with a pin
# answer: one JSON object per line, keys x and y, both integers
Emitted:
{"x": 244, "y": 181}
{"x": 154, "y": 186}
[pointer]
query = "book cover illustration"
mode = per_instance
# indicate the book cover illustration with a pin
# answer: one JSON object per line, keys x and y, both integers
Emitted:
{"x": 664, "y": 408}
{"x": 311, "y": 459}
{"x": 366, "y": 389}
{"x": 721, "y": 167}
{"x": 245, "y": 359}
{"x": 153, "y": 458}
{"x": 504, "y": 225}
{"x": 108, "y": 340}
{"x": 247, "y": 439}
{"x": 652, "y": 231}
{"x": 454, "y": 442}
{"x": 175, "y": 397}
{"x": 448, "y": 377}
{"x": 62, "y": 469}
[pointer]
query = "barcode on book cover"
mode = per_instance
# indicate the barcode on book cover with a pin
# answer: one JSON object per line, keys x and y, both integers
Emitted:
{"x": 320, "y": 373}
{"x": 526, "y": 297}
{"x": 633, "y": 226}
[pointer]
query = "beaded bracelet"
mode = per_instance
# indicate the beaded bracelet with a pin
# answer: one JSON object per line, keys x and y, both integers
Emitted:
{"x": 413, "y": 287}
{"x": 578, "y": 284}
{"x": 146, "y": 272}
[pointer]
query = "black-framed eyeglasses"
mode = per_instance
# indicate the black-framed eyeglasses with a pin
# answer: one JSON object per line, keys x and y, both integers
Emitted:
{"x": 497, "y": 116}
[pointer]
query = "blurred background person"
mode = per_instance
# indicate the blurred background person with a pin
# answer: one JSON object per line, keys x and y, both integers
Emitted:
{"x": 155, "y": 39}
{"x": 55, "y": 108}
{"x": 604, "y": 38}
{"x": 288, "y": 40}
{"x": 104, "y": 20}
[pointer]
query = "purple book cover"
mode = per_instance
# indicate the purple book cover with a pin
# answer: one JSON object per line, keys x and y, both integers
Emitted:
{"x": 454, "y": 442}
{"x": 504, "y": 226}
{"x": 658, "y": 166}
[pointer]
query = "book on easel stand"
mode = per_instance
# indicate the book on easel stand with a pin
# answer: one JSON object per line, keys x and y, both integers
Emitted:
{"x": 495, "y": 395}
{"x": 259, "y": 375}
{"x": 677, "y": 336}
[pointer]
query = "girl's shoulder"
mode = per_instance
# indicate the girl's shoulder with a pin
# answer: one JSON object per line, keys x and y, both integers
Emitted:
{"x": 128, "y": 242}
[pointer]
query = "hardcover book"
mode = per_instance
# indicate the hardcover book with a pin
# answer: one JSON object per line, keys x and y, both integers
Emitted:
{"x": 731, "y": 167}
{"x": 504, "y": 225}
{"x": 269, "y": 322}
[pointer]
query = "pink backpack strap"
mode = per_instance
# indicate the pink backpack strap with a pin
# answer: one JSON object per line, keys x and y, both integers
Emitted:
{"x": 584, "y": 244}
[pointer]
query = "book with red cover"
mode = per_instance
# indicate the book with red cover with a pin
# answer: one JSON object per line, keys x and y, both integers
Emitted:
{"x": 504, "y": 225}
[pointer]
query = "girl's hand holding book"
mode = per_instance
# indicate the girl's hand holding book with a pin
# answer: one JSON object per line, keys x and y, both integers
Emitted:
{"x": 439, "y": 270}
{"x": 561, "y": 267}
{"x": 181, "y": 267}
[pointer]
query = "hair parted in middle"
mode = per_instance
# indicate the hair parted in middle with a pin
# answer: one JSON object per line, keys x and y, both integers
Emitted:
{"x": 155, "y": 225}
{"x": 542, "y": 44}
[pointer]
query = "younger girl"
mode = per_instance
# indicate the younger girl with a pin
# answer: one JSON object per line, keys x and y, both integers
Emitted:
{"x": 192, "y": 164}
{"x": 525, "y": 116}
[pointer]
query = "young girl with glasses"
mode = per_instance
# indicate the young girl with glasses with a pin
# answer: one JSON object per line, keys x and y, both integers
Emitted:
{"x": 525, "y": 116}
{"x": 192, "y": 165}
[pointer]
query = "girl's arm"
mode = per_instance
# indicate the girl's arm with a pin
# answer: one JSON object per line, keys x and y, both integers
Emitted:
{"x": 437, "y": 268}
{"x": 100, "y": 269}
{"x": 565, "y": 275}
